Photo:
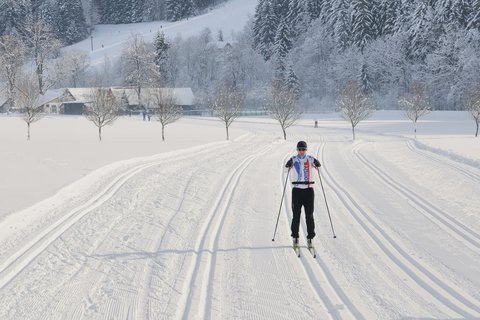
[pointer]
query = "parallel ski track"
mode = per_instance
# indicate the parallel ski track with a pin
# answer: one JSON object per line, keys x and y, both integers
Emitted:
{"x": 211, "y": 226}
{"x": 143, "y": 303}
{"x": 25, "y": 255}
{"x": 446, "y": 162}
{"x": 442, "y": 218}
{"x": 314, "y": 267}
{"x": 447, "y": 295}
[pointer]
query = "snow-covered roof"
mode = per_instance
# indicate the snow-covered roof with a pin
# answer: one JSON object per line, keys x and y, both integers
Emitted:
{"x": 81, "y": 94}
{"x": 220, "y": 44}
{"x": 184, "y": 96}
{"x": 50, "y": 95}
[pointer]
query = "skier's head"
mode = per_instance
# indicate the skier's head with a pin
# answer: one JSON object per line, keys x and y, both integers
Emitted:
{"x": 301, "y": 147}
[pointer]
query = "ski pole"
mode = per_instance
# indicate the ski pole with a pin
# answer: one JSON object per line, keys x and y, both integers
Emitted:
{"x": 279, "y": 210}
{"x": 326, "y": 203}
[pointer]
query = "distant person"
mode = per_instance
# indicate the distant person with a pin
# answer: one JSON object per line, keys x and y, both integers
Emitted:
{"x": 316, "y": 124}
{"x": 302, "y": 191}
{"x": 144, "y": 113}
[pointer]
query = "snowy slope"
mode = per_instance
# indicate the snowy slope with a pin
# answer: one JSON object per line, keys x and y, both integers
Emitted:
{"x": 108, "y": 40}
{"x": 187, "y": 234}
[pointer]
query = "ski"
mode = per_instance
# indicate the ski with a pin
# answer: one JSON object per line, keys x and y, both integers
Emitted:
{"x": 313, "y": 251}
{"x": 296, "y": 248}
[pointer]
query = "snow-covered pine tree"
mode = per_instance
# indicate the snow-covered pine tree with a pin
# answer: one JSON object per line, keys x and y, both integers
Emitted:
{"x": 387, "y": 15}
{"x": 314, "y": 8}
{"x": 265, "y": 27}
{"x": 179, "y": 9}
{"x": 161, "y": 47}
{"x": 339, "y": 23}
{"x": 453, "y": 12}
{"x": 363, "y": 23}
{"x": 365, "y": 80}
{"x": 69, "y": 21}
{"x": 295, "y": 16}
{"x": 291, "y": 82}
{"x": 474, "y": 17}
{"x": 421, "y": 30}
{"x": 282, "y": 46}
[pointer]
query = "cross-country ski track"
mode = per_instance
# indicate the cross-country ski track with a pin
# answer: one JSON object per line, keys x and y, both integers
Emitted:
{"x": 187, "y": 235}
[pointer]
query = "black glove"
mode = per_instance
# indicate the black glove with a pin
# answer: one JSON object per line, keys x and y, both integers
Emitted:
{"x": 289, "y": 163}
{"x": 316, "y": 163}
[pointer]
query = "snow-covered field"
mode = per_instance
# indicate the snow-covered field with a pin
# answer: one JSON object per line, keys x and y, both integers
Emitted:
{"x": 183, "y": 229}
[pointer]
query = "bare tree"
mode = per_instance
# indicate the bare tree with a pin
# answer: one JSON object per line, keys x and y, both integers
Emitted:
{"x": 72, "y": 68}
{"x": 354, "y": 105}
{"x": 472, "y": 104}
{"x": 282, "y": 106}
{"x": 227, "y": 105}
{"x": 12, "y": 57}
{"x": 138, "y": 64}
{"x": 27, "y": 99}
{"x": 42, "y": 44}
{"x": 103, "y": 109}
{"x": 415, "y": 104}
{"x": 163, "y": 103}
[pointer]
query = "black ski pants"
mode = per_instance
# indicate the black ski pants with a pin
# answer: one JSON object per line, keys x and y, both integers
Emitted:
{"x": 305, "y": 198}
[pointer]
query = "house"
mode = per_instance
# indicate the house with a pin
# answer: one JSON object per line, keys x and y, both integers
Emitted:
{"x": 81, "y": 98}
{"x": 221, "y": 45}
{"x": 184, "y": 98}
{"x": 53, "y": 100}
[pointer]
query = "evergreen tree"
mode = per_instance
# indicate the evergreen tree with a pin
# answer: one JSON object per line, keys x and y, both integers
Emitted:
{"x": 179, "y": 9}
{"x": 421, "y": 30}
{"x": 314, "y": 8}
{"x": 387, "y": 16}
{"x": 69, "y": 21}
{"x": 161, "y": 55}
{"x": 265, "y": 27}
{"x": 339, "y": 23}
{"x": 474, "y": 17}
{"x": 283, "y": 44}
{"x": 365, "y": 80}
{"x": 292, "y": 83}
{"x": 363, "y": 23}
{"x": 295, "y": 16}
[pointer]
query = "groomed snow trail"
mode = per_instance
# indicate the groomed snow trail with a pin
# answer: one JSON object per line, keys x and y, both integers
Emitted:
{"x": 188, "y": 236}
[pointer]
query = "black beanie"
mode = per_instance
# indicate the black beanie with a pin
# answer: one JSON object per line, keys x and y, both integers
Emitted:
{"x": 301, "y": 144}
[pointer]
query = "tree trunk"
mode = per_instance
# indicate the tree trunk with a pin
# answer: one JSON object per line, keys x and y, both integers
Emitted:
{"x": 284, "y": 133}
{"x": 415, "y": 129}
{"x": 100, "y": 133}
{"x": 353, "y": 132}
{"x": 228, "y": 135}
{"x": 163, "y": 132}
{"x": 28, "y": 131}
{"x": 476, "y": 132}
{"x": 40, "y": 78}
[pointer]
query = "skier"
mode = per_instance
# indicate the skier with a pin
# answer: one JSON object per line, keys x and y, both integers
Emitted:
{"x": 302, "y": 191}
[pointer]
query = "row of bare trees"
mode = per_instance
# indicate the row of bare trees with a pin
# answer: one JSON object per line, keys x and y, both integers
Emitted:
{"x": 356, "y": 106}
{"x": 104, "y": 108}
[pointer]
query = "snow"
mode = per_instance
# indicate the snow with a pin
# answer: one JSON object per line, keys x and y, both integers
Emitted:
{"x": 135, "y": 228}
{"x": 108, "y": 40}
